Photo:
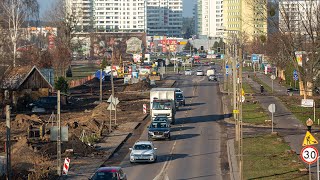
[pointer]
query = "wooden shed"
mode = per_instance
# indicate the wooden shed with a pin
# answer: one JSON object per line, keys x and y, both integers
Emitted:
{"x": 25, "y": 80}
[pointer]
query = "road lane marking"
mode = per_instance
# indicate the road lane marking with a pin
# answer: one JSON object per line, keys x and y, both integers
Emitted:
{"x": 163, "y": 173}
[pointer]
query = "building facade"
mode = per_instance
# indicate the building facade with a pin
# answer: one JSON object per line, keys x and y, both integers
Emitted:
{"x": 164, "y": 18}
{"x": 110, "y": 15}
{"x": 247, "y": 17}
{"x": 210, "y": 18}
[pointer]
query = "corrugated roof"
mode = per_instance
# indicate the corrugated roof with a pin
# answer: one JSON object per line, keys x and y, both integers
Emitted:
{"x": 14, "y": 77}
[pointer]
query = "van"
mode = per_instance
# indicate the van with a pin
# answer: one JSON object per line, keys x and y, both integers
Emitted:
{"x": 210, "y": 72}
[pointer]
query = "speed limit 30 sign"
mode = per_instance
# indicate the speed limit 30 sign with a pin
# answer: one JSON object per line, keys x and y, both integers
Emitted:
{"x": 309, "y": 154}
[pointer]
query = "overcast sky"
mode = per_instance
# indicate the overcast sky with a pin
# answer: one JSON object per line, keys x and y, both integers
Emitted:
{"x": 187, "y": 6}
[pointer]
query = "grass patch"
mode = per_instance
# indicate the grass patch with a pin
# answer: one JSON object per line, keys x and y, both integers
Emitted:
{"x": 266, "y": 157}
{"x": 301, "y": 113}
{"x": 79, "y": 72}
{"x": 247, "y": 69}
{"x": 252, "y": 112}
{"x": 247, "y": 88}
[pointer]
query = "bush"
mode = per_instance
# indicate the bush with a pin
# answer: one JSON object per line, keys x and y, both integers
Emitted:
{"x": 61, "y": 84}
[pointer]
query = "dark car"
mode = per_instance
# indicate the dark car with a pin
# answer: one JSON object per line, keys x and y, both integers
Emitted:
{"x": 109, "y": 173}
{"x": 48, "y": 102}
{"x": 212, "y": 78}
{"x": 159, "y": 130}
{"x": 180, "y": 99}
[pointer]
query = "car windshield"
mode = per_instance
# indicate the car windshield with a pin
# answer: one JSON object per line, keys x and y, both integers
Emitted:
{"x": 161, "y": 105}
{"x": 142, "y": 147}
{"x": 159, "y": 125}
{"x": 159, "y": 118}
{"x": 188, "y": 70}
{"x": 105, "y": 176}
{"x": 179, "y": 96}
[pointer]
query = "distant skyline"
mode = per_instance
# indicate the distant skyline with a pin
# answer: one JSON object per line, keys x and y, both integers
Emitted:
{"x": 187, "y": 7}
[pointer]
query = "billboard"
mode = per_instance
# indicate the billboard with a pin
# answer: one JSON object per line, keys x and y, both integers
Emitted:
{"x": 299, "y": 57}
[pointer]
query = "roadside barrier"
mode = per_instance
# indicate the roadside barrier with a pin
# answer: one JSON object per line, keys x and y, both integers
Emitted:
{"x": 79, "y": 82}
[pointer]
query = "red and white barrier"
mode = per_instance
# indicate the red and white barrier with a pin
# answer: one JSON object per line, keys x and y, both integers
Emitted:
{"x": 66, "y": 166}
{"x": 144, "y": 109}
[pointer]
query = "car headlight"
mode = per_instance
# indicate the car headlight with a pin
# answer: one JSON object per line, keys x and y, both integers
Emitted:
{"x": 151, "y": 133}
{"x": 166, "y": 132}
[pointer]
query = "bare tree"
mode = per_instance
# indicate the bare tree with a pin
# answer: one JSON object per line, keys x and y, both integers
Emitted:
{"x": 15, "y": 13}
{"x": 297, "y": 28}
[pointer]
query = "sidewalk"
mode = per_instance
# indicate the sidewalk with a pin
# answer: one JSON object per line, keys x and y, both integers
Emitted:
{"x": 278, "y": 89}
{"x": 84, "y": 167}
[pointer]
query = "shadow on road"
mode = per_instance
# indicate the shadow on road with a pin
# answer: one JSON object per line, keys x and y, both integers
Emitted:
{"x": 187, "y": 97}
{"x": 185, "y": 109}
{"x": 170, "y": 157}
{"x": 194, "y": 104}
{"x": 198, "y": 177}
{"x": 200, "y": 119}
{"x": 183, "y": 136}
{"x": 173, "y": 129}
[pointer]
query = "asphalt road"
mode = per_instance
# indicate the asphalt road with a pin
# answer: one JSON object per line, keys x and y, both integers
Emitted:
{"x": 196, "y": 148}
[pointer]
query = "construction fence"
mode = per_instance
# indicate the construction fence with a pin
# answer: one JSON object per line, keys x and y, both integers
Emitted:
{"x": 79, "y": 82}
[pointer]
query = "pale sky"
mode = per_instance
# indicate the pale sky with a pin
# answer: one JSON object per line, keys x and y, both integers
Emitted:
{"x": 187, "y": 7}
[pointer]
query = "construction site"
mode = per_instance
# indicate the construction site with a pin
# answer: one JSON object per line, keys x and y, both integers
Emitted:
{"x": 34, "y": 153}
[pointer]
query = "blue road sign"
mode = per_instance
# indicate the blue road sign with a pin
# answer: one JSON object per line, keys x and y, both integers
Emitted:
{"x": 227, "y": 70}
{"x": 295, "y": 72}
{"x": 295, "y": 77}
{"x": 97, "y": 74}
{"x": 238, "y": 65}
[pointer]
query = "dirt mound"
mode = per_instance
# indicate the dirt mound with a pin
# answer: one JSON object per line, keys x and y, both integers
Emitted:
{"x": 23, "y": 121}
{"x": 140, "y": 86}
{"x": 79, "y": 148}
{"x": 25, "y": 158}
{"x": 100, "y": 110}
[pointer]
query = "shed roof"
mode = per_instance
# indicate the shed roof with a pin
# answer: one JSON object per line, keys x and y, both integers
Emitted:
{"x": 15, "y": 77}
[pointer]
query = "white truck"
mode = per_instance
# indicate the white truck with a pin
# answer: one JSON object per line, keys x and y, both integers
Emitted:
{"x": 210, "y": 72}
{"x": 163, "y": 103}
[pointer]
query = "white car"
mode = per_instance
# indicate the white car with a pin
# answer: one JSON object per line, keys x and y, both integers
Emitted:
{"x": 143, "y": 151}
{"x": 188, "y": 72}
{"x": 200, "y": 73}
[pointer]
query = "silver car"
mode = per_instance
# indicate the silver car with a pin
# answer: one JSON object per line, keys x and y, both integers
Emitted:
{"x": 143, "y": 151}
{"x": 188, "y": 72}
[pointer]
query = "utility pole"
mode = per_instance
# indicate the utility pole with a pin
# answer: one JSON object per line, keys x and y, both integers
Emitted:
{"x": 58, "y": 135}
{"x": 112, "y": 84}
{"x": 8, "y": 142}
{"x": 240, "y": 115}
{"x": 101, "y": 85}
{"x": 234, "y": 78}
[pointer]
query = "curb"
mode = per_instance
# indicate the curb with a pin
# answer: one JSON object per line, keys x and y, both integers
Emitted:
{"x": 234, "y": 172}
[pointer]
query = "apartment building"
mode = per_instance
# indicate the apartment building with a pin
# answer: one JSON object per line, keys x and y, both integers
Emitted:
{"x": 83, "y": 11}
{"x": 164, "y": 17}
{"x": 295, "y": 16}
{"x": 109, "y": 15}
{"x": 210, "y": 18}
{"x": 247, "y": 17}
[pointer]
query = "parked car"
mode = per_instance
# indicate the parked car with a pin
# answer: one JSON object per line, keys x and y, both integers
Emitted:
{"x": 212, "y": 78}
{"x": 47, "y": 103}
{"x": 143, "y": 151}
{"x": 188, "y": 72}
{"x": 109, "y": 173}
{"x": 159, "y": 130}
{"x": 180, "y": 99}
{"x": 200, "y": 73}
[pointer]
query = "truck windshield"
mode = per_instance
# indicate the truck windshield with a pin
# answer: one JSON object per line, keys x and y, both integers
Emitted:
{"x": 161, "y": 105}
{"x": 180, "y": 96}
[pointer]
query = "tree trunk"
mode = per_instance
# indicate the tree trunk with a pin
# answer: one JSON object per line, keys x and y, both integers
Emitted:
{"x": 14, "y": 53}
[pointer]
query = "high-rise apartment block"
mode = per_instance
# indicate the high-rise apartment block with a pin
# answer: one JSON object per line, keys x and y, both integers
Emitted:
{"x": 156, "y": 17}
{"x": 247, "y": 17}
{"x": 164, "y": 17}
{"x": 210, "y": 18}
{"x": 110, "y": 15}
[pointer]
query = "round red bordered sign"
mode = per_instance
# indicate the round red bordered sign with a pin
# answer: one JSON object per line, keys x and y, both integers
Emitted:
{"x": 309, "y": 154}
